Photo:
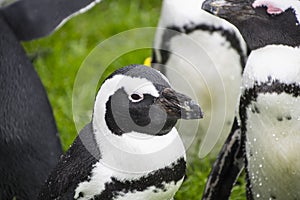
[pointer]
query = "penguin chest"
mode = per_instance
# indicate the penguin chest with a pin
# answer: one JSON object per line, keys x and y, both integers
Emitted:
{"x": 204, "y": 66}
{"x": 208, "y": 62}
{"x": 107, "y": 183}
{"x": 273, "y": 146}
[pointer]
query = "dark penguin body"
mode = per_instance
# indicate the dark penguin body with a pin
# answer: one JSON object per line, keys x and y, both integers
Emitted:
{"x": 204, "y": 56}
{"x": 31, "y": 19}
{"x": 266, "y": 139}
{"x": 111, "y": 159}
{"x": 79, "y": 161}
{"x": 29, "y": 142}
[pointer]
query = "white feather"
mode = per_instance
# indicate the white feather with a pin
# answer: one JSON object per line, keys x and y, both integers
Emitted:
{"x": 274, "y": 167}
{"x": 276, "y": 61}
{"x": 204, "y": 66}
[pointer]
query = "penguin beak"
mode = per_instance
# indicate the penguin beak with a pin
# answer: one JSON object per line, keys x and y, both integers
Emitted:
{"x": 230, "y": 10}
{"x": 179, "y": 106}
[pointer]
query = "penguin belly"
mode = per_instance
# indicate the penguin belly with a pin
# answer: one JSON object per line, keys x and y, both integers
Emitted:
{"x": 149, "y": 169}
{"x": 209, "y": 71}
{"x": 273, "y": 146}
{"x": 109, "y": 183}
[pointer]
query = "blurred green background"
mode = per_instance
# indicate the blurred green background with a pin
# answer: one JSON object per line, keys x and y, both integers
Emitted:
{"x": 58, "y": 57}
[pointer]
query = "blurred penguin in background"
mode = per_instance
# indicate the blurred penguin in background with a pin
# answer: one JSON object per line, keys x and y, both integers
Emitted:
{"x": 203, "y": 56}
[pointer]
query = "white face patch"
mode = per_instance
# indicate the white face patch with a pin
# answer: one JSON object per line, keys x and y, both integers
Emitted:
{"x": 131, "y": 85}
{"x": 138, "y": 86}
{"x": 279, "y": 6}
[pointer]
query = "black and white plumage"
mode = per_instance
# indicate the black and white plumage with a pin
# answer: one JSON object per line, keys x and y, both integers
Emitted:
{"x": 209, "y": 53}
{"x": 29, "y": 142}
{"x": 267, "y": 138}
{"x": 131, "y": 149}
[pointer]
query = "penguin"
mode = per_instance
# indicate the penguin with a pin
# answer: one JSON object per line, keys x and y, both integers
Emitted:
{"x": 265, "y": 138}
{"x": 209, "y": 54}
{"x": 29, "y": 143}
{"x": 131, "y": 149}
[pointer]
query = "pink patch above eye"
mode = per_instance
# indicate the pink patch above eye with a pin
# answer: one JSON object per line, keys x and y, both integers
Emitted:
{"x": 272, "y": 10}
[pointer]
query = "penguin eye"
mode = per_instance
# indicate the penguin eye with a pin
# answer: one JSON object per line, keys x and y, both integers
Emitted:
{"x": 136, "y": 97}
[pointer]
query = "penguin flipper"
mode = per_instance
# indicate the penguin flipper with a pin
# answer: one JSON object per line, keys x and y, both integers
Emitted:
{"x": 73, "y": 167}
{"x": 227, "y": 167}
{"x": 31, "y": 19}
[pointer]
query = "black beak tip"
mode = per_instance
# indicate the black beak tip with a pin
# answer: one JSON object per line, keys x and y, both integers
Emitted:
{"x": 179, "y": 106}
{"x": 193, "y": 111}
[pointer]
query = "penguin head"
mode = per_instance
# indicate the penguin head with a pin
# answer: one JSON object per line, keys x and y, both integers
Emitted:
{"x": 261, "y": 22}
{"x": 140, "y": 99}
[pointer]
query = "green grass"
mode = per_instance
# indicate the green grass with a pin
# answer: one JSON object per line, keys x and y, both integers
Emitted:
{"x": 58, "y": 57}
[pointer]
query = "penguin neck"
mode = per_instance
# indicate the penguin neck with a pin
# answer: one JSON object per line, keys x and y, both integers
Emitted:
{"x": 137, "y": 152}
{"x": 275, "y": 62}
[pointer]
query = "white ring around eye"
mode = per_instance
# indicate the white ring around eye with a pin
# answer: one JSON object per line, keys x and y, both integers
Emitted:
{"x": 136, "y": 97}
